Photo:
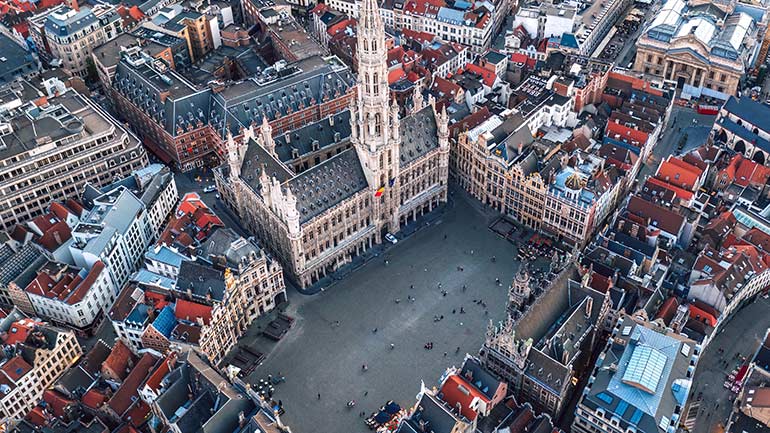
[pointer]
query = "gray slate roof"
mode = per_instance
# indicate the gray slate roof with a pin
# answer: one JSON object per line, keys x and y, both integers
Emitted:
{"x": 419, "y": 135}
{"x": 327, "y": 184}
{"x": 330, "y": 130}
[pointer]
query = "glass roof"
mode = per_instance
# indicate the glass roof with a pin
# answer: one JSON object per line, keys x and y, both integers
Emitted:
{"x": 645, "y": 368}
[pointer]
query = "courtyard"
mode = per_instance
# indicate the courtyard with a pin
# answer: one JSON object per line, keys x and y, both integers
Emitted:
{"x": 334, "y": 336}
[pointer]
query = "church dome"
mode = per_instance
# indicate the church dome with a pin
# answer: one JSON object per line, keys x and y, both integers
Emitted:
{"x": 574, "y": 182}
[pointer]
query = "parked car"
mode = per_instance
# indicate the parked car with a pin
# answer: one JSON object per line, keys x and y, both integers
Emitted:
{"x": 390, "y": 238}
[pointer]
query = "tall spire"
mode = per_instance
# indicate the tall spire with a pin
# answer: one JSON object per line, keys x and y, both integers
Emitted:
{"x": 373, "y": 89}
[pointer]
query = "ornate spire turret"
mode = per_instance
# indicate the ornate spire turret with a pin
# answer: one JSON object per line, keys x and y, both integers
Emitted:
{"x": 266, "y": 133}
{"x": 418, "y": 102}
{"x": 233, "y": 157}
{"x": 374, "y": 124}
{"x": 519, "y": 292}
{"x": 373, "y": 114}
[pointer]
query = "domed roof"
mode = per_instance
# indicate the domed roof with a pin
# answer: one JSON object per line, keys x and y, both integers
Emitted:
{"x": 522, "y": 276}
{"x": 574, "y": 182}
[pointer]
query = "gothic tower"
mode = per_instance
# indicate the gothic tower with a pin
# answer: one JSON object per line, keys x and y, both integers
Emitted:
{"x": 374, "y": 125}
{"x": 518, "y": 294}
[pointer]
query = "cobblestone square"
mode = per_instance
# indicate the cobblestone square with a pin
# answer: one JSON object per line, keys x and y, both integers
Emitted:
{"x": 320, "y": 356}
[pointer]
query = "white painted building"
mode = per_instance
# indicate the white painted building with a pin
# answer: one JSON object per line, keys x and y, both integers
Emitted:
{"x": 123, "y": 221}
{"x": 43, "y": 353}
{"x": 72, "y": 296}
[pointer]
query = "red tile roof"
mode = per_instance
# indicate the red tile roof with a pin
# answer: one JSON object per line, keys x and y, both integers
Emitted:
{"x": 420, "y": 37}
{"x": 93, "y": 399}
{"x": 37, "y": 417}
{"x": 600, "y": 283}
{"x": 138, "y": 414}
{"x": 55, "y": 236}
{"x": 66, "y": 285}
{"x": 19, "y": 331}
{"x": 16, "y": 368}
{"x": 445, "y": 88}
{"x": 458, "y": 390}
{"x": 319, "y": 9}
{"x": 659, "y": 216}
{"x": 667, "y": 310}
{"x": 119, "y": 359}
{"x": 395, "y": 75}
{"x": 678, "y": 173}
{"x": 124, "y": 397}
{"x": 703, "y": 313}
{"x": 153, "y": 382}
{"x": 190, "y": 311}
{"x": 136, "y": 13}
{"x": 680, "y": 193}
{"x": 487, "y": 76}
{"x": 56, "y": 402}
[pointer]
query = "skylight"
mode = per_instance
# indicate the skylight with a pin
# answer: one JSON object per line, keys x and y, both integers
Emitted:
{"x": 645, "y": 368}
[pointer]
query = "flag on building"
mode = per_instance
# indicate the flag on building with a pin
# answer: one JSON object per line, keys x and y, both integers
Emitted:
{"x": 379, "y": 191}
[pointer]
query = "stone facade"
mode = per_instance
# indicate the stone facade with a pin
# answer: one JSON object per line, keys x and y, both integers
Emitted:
{"x": 318, "y": 206}
{"x": 700, "y": 44}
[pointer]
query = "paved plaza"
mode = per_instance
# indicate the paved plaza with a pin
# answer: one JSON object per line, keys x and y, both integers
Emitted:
{"x": 741, "y": 335}
{"x": 320, "y": 356}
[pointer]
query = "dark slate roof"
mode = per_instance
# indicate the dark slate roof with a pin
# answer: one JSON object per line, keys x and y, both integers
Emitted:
{"x": 436, "y": 416}
{"x": 229, "y": 246}
{"x": 419, "y": 135}
{"x": 16, "y": 60}
{"x": 547, "y": 371}
{"x": 255, "y": 160}
{"x": 184, "y": 107}
{"x": 751, "y": 111}
{"x": 481, "y": 378}
{"x": 331, "y": 130}
{"x": 78, "y": 21}
{"x": 327, "y": 184}
{"x": 75, "y": 380}
{"x": 303, "y": 84}
{"x": 494, "y": 57}
{"x": 201, "y": 280}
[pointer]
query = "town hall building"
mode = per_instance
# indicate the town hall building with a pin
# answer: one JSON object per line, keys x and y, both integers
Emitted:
{"x": 325, "y": 193}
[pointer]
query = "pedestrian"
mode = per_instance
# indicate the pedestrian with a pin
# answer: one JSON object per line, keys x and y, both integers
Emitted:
{"x": 319, "y": 395}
